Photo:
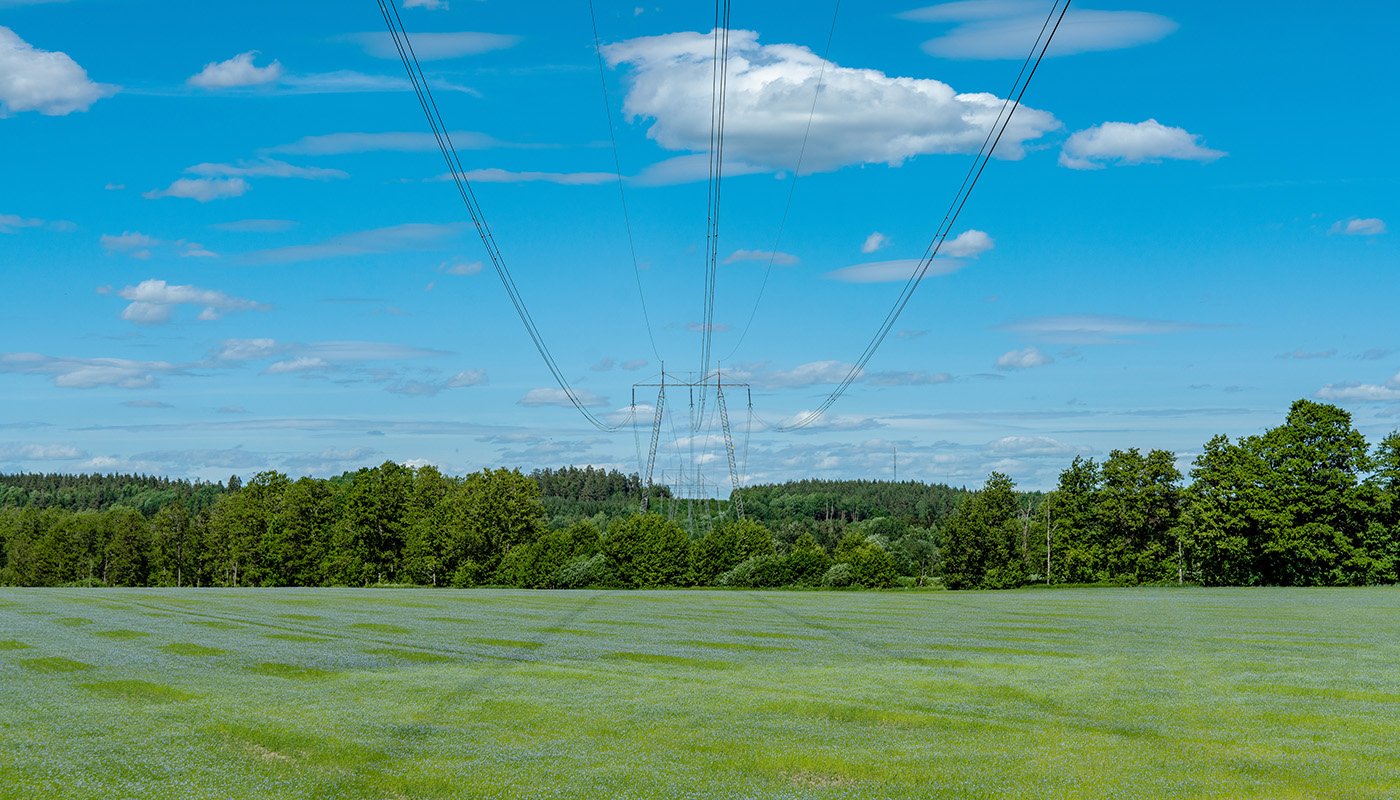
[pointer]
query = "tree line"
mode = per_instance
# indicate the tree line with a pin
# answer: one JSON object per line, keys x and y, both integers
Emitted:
{"x": 1306, "y": 503}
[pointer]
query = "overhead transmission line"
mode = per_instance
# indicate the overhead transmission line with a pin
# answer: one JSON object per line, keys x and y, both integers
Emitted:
{"x": 621, "y": 192}
{"x": 719, "y": 79}
{"x": 950, "y": 218}
{"x": 792, "y": 184}
{"x": 404, "y": 46}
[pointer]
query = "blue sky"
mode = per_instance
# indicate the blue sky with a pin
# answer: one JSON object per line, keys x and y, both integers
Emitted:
{"x": 227, "y": 244}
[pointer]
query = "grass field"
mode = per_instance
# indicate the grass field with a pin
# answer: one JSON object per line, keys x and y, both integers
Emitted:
{"x": 1268, "y": 693}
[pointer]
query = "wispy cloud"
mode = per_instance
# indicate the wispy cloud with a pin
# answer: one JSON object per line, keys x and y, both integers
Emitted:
{"x": 1095, "y": 328}
{"x": 154, "y": 301}
{"x": 1370, "y": 226}
{"x": 397, "y": 238}
{"x": 1362, "y": 392}
{"x": 330, "y": 144}
{"x": 201, "y": 189}
{"x": 996, "y": 29}
{"x": 493, "y": 175}
{"x": 434, "y": 46}
{"x": 777, "y": 258}
{"x": 557, "y": 397}
{"x": 873, "y": 242}
{"x": 69, "y": 372}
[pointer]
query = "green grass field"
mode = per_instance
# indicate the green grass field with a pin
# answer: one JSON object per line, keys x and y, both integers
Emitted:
{"x": 1269, "y": 693}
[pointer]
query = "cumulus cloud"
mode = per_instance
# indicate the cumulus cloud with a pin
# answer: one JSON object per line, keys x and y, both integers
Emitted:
{"x": 1094, "y": 328}
{"x": 812, "y": 373}
{"x": 968, "y": 244}
{"x": 778, "y": 258}
{"x": 48, "y": 82}
{"x": 1023, "y": 359}
{"x": 235, "y": 72}
{"x": 557, "y": 397}
{"x": 435, "y": 46}
{"x": 873, "y": 242}
{"x": 154, "y": 302}
{"x": 994, "y": 29}
{"x": 1362, "y": 392}
{"x": 865, "y": 116}
{"x": 1129, "y": 143}
{"x": 201, "y": 189}
{"x": 88, "y": 373}
{"x": 248, "y": 349}
{"x": 1370, "y": 226}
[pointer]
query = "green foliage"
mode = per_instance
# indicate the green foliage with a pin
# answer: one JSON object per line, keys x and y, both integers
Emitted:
{"x": 840, "y": 576}
{"x": 727, "y": 545}
{"x": 647, "y": 550}
{"x": 983, "y": 546}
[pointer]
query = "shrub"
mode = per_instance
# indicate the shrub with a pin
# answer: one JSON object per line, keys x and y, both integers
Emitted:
{"x": 758, "y": 572}
{"x": 840, "y": 576}
{"x": 587, "y": 572}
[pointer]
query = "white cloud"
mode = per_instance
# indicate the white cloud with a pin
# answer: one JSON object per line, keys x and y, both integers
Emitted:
{"x": 265, "y": 168}
{"x": 1303, "y": 355}
{"x": 864, "y": 117}
{"x": 435, "y": 46}
{"x": 13, "y": 451}
{"x": 396, "y": 141}
{"x": 348, "y": 81}
{"x": 420, "y": 388}
{"x": 460, "y": 267}
{"x": 803, "y": 375}
{"x": 428, "y": 5}
{"x": 494, "y": 175}
{"x": 88, "y": 373}
{"x": 893, "y": 271}
{"x": 1363, "y": 392}
{"x": 968, "y": 244}
{"x": 689, "y": 169}
{"x": 911, "y": 378}
{"x": 237, "y": 71}
{"x": 875, "y": 241}
{"x": 201, "y": 189}
{"x": 557, "y": 397}
{"x": 396, "y": 238}
{"x": 1023, "y": 359}
{"x": 48, "y": 82}
{"x": 298, "y": 365}
{"x": 992, "y": 29}
{"x": 1029, "y": 446}
{"x": 778, "y": 258}
{"x": 154, "y": 302}
{"x": 248, "y": 349}
{"x": 1370, "y": 226}
{"x": 1094, "y": 328}
{"x": 255, "y": 225}
{"x": 634, "y": 364}
{"x": 1127, "y": 143}
{"x": 11, "y": 223}
{"x": 132, "y": 243}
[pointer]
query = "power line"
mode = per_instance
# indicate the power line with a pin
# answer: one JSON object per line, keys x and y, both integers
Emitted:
{"x": 719, "y": 80}
{"x": 621, "y": 193}
{"x": 421, "y": 90}
{"x": 979, "y": 163}
{"x": 792, "y": 184}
